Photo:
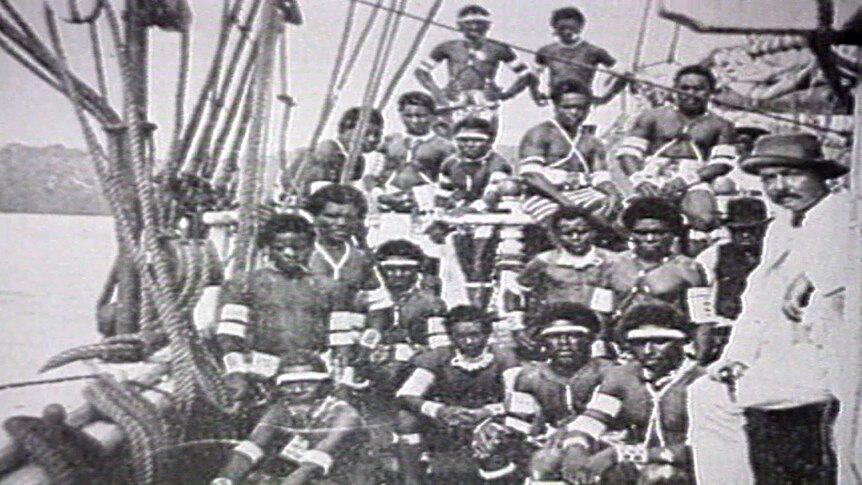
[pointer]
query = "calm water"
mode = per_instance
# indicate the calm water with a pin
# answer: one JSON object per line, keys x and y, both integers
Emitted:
{"x": 52, "y": 269}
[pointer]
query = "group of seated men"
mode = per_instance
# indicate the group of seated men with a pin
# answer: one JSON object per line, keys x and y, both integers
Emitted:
{"x": 348, "y": 355}
{"x": 352, "y": 351}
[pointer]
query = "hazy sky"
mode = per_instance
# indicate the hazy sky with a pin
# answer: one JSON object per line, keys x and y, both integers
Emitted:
{"x": 33, "y": 114}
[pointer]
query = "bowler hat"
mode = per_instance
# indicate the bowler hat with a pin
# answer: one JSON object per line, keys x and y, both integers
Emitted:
{"x": 746, "y": 212}
{"x": 799, "y": 150}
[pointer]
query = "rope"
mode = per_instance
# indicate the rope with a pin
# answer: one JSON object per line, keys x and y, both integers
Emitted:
{"x": 228, "y": 166}
{"x": 402, "y": 5}
{"x": 613, "y": 73}
{"x": 250, "y": 172}
{"x": 42, "y": 382}
{"x": 674, "y": 44}
{"x": 411, "y": 53}
{"x": 229, "y": 125}
{"x": 371, "y": 91}
{"x": 182, "y": 87}
{"x": 344, "y": 74}
{"x": 177, "y": 159}
{"x": 329, "y": 101}
{"x": 641, "y": 38}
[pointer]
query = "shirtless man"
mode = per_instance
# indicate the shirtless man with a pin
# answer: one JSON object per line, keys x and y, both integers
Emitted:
{"x": 573, "y": 58}
{"x": 307, "y": 436}
{"x": 327, "y": 162}
{"x": 651, "y": 271}
{"x": 648, "y": 397}
{"x": 466, "y": 176}
{"x": 472, "y": 65}
{"x": 412, "y": 158}
{"x": 545, "y": 395}
{"x": 451, "y": 390}
{"x": 564, "y": 165}
{"x": 276, "y": 309}
{"x": 668, "y": 146}
{"x": 575, "y": 271}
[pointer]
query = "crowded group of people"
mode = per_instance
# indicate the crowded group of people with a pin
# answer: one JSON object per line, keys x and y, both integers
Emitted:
{"x": 673, "y": 328}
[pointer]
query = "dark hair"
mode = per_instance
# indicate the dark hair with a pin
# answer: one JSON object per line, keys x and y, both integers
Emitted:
{"x": 350, "y": 119}
{"x": 416, "y": 98}
{"x": 281, "y": 224}
{"x": 568, "y": 13}
{"x": 697, "y": 69}
{"x": 336, "y": 194}
{"x": 576, "y": 313}
{"x": 566, "y": 86}
{"x": 652, "y": 208}
{"x": 477, "y": 124}
{"x": 399, "y": 248}
{"x": 658, "y": 314}
{"x": 468, "y": 313}
{"x": 570, "y": 212}
{"x": 473, "y": 10}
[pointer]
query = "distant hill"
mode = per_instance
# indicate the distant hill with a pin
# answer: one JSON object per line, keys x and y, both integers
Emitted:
{"x": 48, "y": 180}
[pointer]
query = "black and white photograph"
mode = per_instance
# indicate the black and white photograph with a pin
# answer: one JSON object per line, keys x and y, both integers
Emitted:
{"x": 421, "y": 242}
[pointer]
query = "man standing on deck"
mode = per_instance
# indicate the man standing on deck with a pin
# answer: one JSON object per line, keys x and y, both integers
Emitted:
{"x": 667, "y": 146}
{"x": 472, "y": 63}
{"x": 793, "y": 313}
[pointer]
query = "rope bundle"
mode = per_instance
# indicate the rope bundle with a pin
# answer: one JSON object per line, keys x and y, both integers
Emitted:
{"x": 144, "y": 426}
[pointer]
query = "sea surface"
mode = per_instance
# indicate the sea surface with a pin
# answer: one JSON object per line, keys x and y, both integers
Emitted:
{"x": 52, "y": 269}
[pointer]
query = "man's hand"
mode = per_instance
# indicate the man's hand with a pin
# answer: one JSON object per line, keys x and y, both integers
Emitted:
{"x": 675, "y": 188}
{"x": 576, "y": 467}
{"x": 456, "y": 416}
{"x": 237, "y": 386}
{"x": 648, "y": 189}
{"x": 797, "y": 297}
{"x": 727, "y": 371}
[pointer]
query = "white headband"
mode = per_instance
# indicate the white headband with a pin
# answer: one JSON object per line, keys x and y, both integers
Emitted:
{"x": 472, "y": 136}
{"x": 301, "y": 376}
{"x": 655, "y": 332}
{"x": 399, "y": 262}
{"x": 475, "y": 17}
{"x": 565, "y": 329}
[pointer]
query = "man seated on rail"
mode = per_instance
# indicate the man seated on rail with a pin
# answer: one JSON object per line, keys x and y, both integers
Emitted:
{"x": 306, "y": 436}
{"x": 329, "y": 159}
{"x": 564, "y": 165}
{"x": 647, "y": 397}
{"x": 411, "y": 159}
{"x": 545, "y": 395}
{"x": 451, "y": 390}
{"x": 667, "y": 147}
{"x": 572, "y": 58}
{"x": 280, "y": 307}
{"x": 469, "y": 182}
{"x": 472, "y": 64}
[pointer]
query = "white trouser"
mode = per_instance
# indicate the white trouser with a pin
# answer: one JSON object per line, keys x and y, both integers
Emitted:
{"x": 716, "y": 435}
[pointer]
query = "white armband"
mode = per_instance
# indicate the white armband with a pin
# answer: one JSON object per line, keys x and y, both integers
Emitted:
{"x": 600, "y": 177}
{"x": 318, "y": 458}
{"x": 264, "y": 365}
{"x": 234, "y": 362}
{"x": 431, "y": 409}
{"x": 634, "y": 146}
{"x": 250, "y": 449}
{"x": 232, "y": 328}
{"x": 378, "y": 299}
{"x": 724, "y": 153}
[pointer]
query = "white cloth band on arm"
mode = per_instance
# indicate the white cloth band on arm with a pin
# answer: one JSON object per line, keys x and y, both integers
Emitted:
{"x": 318, "y": 458}
{"x": 723, "y": 152}
{"x": 417, "y": 384}
{"x": 431, "y": 409}
{"x": 233, "y": 329}
{"x": 233, "y": 312}
{"x": 600, "y": 177}
{"x": 344, "y": 321}
{"x": 633, "y": 146}
{"x": 234, "y": 362}
{"x": 378, "y": 299}
{"x": 250, "y": 449}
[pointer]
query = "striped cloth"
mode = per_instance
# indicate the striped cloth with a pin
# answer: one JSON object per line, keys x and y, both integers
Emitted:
{"x": 542, "y": 208}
